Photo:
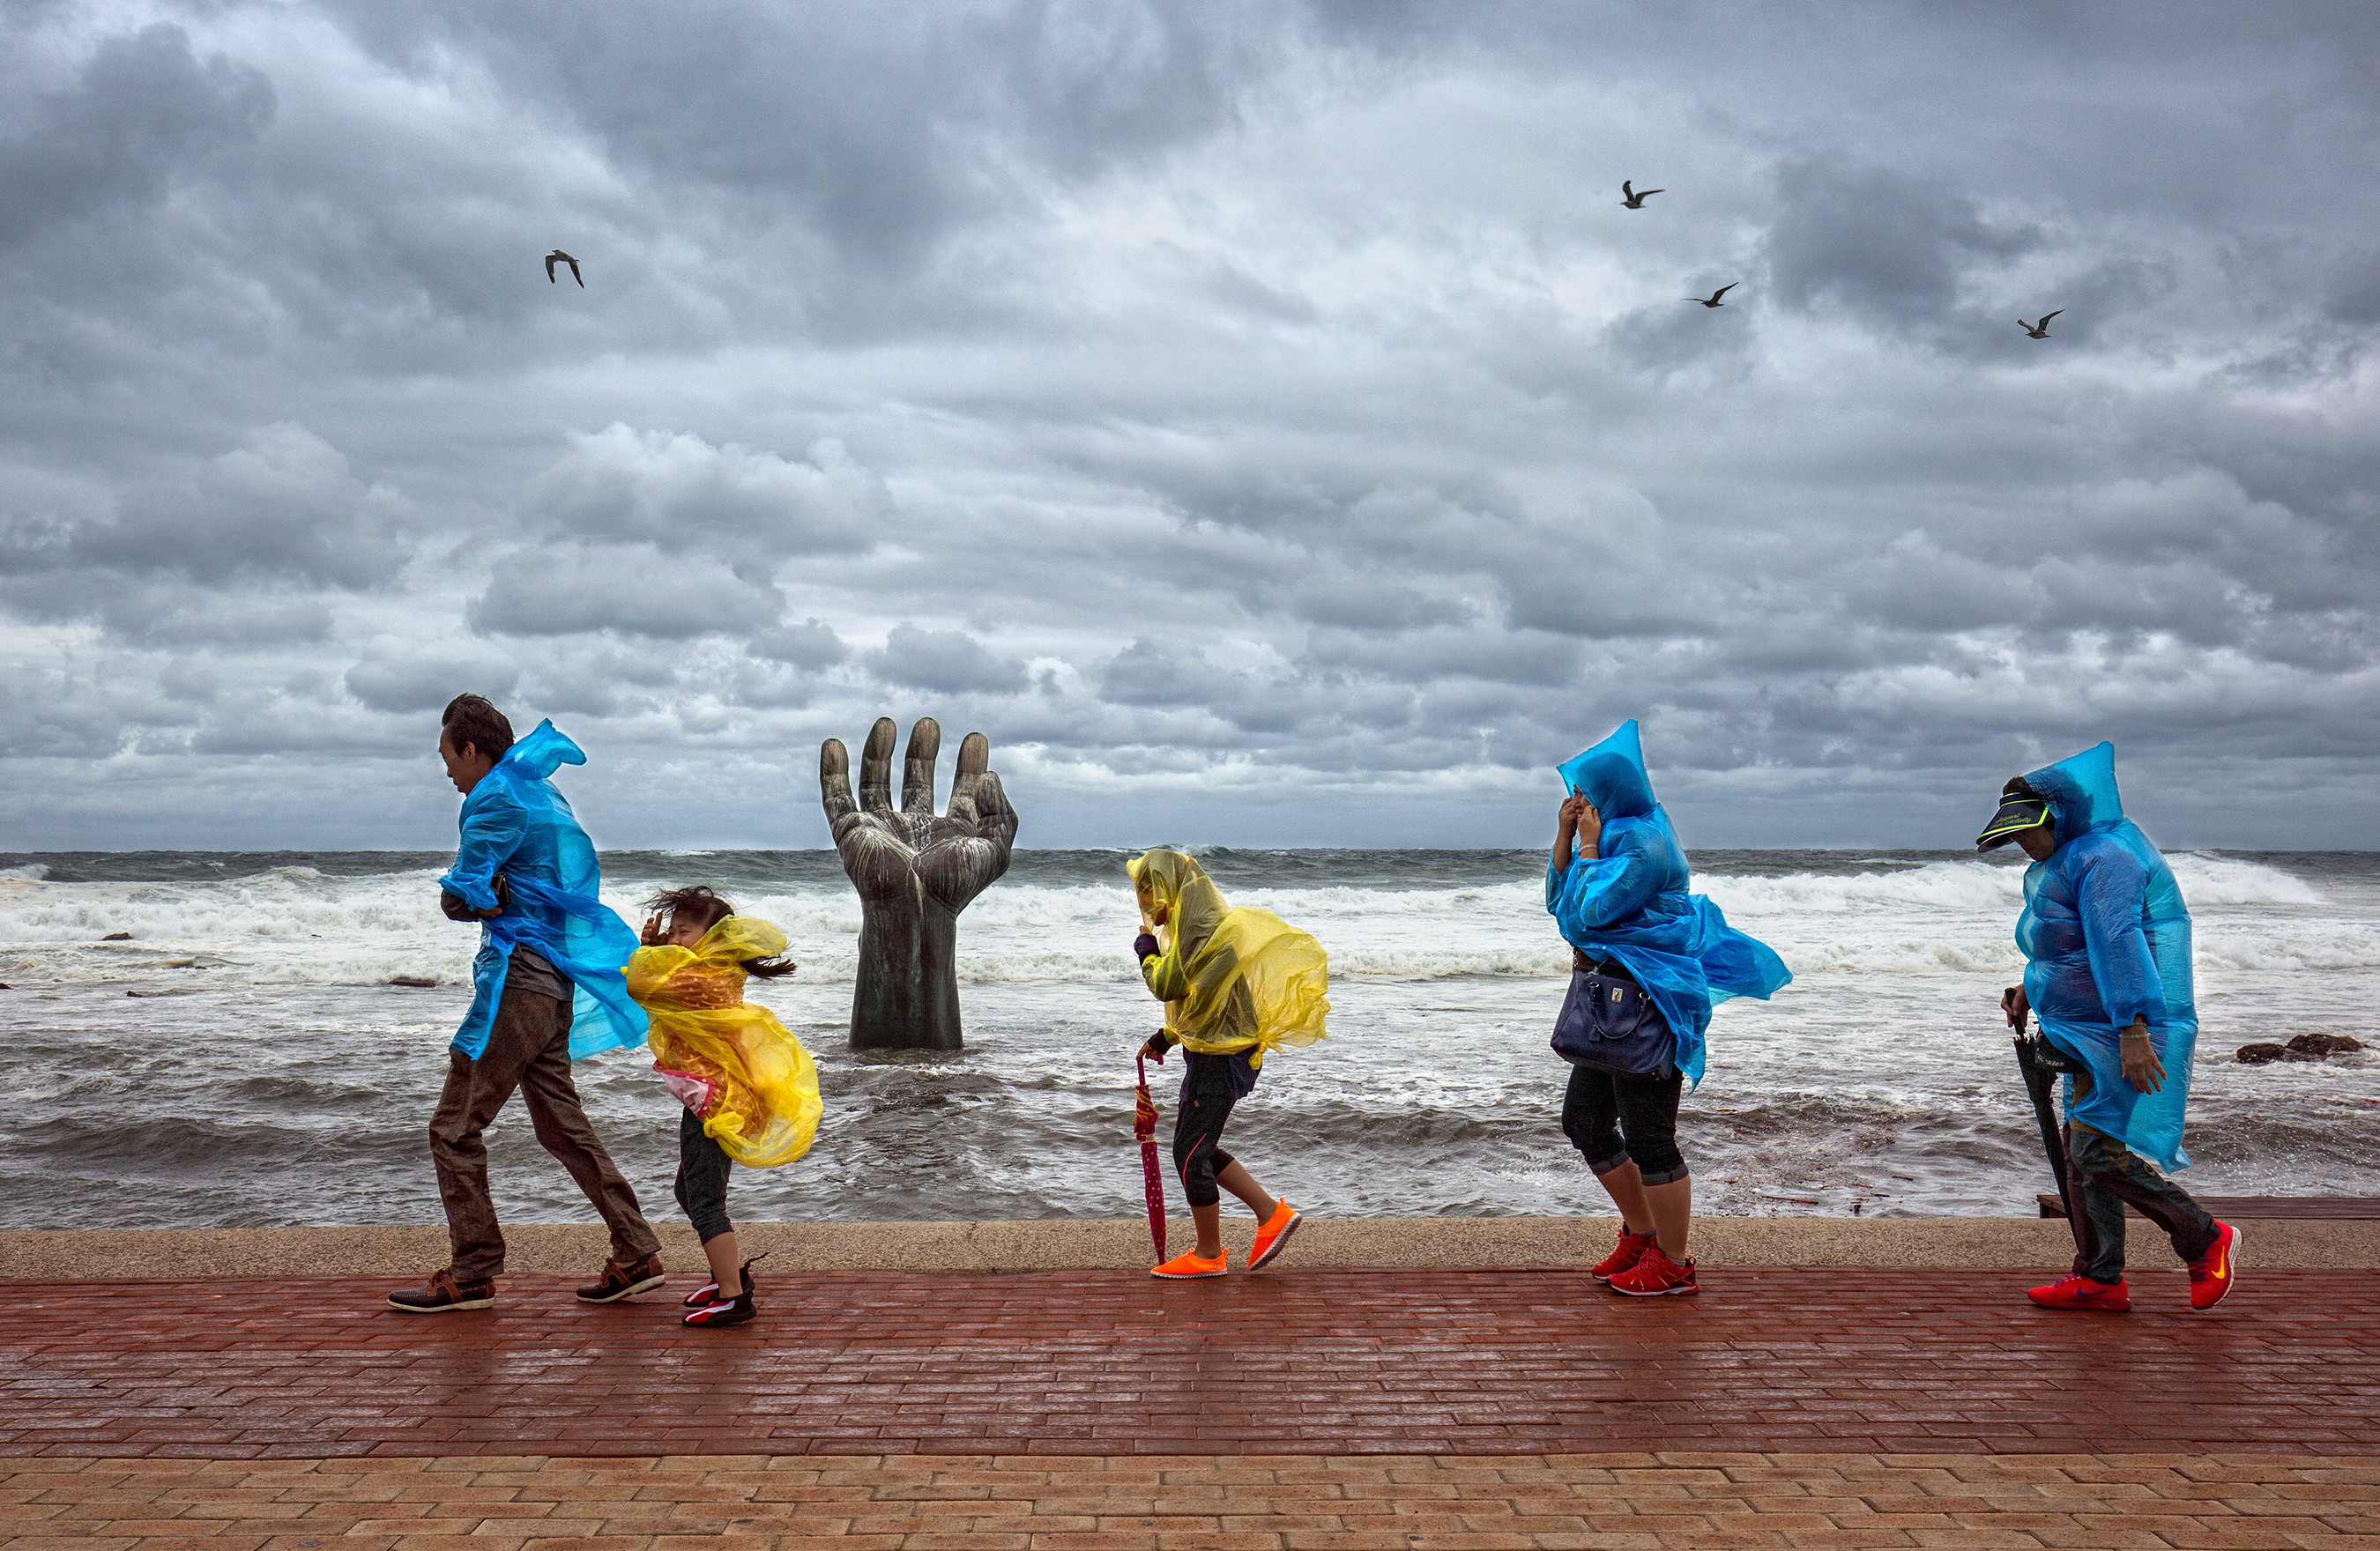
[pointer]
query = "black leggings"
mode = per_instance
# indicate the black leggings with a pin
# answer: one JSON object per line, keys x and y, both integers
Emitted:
{"x": 1208, "y": 1094}
{"x": 1601, "y": 1106}
{"x": 702, "y": 1165}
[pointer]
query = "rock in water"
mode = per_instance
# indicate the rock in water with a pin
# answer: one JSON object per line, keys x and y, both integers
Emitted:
{"x": 2317, "y": 1046}
{"x": 2260, "y": 1055}
{"x": 117, "y": 937}
{"x": 419, "y": 982}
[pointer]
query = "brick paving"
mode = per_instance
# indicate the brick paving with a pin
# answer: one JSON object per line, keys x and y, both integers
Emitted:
{"x": 1623, "y": 1501}
{"x": 1109, "y": 1363}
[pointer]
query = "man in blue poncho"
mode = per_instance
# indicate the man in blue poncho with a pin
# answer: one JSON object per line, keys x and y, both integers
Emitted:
{"x": 1638, "y": 941}
{"x": 547, "y": 990}
{"x": 2107, "y": 942}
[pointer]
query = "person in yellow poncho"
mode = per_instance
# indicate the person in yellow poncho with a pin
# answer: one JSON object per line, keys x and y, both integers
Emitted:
{"x": 751, "y": 1092}
{"x": 1236, "y": 984}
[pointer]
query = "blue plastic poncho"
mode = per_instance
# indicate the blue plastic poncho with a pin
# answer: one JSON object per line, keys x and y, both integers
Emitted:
{"x": 1630, "y": 903}
{"x": 2106, "y": 938}
{"x": 515, "y": 824}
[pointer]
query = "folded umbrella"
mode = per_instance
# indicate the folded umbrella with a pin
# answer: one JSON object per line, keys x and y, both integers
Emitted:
{"x": 1144, "y": 1128}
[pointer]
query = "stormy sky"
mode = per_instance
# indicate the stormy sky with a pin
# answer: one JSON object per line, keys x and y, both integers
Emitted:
{"x": 1263, "y": 420}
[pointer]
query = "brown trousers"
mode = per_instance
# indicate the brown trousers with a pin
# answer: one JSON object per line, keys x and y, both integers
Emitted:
{"x": 529, "y": 1049}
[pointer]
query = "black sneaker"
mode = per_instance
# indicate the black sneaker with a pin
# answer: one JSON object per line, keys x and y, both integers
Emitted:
{"x": 716, "y": 1311}
{"x": 708, "y": 1292}
{"x": 445, "y": 1296}
{"x": 624, "y": 1281}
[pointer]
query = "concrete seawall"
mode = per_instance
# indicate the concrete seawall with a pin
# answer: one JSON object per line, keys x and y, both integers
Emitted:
{"x": 1551, "y": 1243}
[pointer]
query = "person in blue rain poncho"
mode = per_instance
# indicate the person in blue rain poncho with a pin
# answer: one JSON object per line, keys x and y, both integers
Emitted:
{"x": 2107, "y": 944}
{"x": 1638, "y": 938}
{"x": 547, "y": 990}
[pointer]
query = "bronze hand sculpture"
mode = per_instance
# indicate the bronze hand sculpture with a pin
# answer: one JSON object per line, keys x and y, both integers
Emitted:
{"x": 915, "y": 872}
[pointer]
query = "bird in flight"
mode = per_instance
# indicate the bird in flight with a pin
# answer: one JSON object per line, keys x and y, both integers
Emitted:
{"x": 559, "y": 257}
{"x": 1712, "y": 300}
{"x": 2040, "y": 330}
{"x": 1635, "y": 198}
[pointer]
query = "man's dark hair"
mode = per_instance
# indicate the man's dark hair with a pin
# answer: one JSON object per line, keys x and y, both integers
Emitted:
{"x": 696, "y": 903}
{"x": 470, "y": 718}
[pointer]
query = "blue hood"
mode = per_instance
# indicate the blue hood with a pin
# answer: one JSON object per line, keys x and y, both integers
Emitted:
{"x": 1611, "y": 776}
{"x": 2081, "y": 791}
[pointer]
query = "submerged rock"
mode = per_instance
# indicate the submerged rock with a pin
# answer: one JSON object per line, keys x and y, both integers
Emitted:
{"x": 419, "y": 982}
{"x": 117, "y": 937}
{"x": 2315, "y": 1047}
{"x": 2260, "y": 1055}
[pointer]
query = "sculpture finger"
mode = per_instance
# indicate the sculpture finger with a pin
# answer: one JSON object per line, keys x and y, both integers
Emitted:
{"x": 994, "y": 819}
{"x": 834, "y": 782}
{"x": 917, "y": 772}
{"x": 875, "y": 767}
{"x": 975, "y": 754}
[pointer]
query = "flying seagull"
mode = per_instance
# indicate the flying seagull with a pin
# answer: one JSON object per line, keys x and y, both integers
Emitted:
{"x": 1712, "y": 300}
{"x": 1632, "y": 198}
{"x": 559, "y": 257}
{"x": 2040, "y": 330}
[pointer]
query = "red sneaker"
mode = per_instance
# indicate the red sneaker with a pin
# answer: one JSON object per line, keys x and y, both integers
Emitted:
{"x": 2210, "y": 1274}
{"x": 2074, "y": 1291}
{"x": 1655, "y": 1274}
{"x": 1630, "y": 1250}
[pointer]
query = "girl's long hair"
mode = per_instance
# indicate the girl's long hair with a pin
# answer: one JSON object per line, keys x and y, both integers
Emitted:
{"x": 697, "y": 901}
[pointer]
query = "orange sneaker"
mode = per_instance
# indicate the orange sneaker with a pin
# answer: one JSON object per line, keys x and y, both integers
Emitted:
{"x": 1273, "y": 1237}
{"x": 2210, "y": 1274}
{"x": 2076, "y": 1291}
{"x": 1184, "y": 1266}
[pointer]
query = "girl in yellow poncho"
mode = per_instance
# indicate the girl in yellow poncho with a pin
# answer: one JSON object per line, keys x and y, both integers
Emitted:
{"x": 1236, "y": 984}
{"x": 749, "y": 1090}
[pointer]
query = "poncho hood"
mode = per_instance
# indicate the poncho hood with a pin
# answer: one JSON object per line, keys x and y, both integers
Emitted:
{"x": 540, "y": 754}
{"x": 1612, "y": 775}
{"x": 2081, "y": 791}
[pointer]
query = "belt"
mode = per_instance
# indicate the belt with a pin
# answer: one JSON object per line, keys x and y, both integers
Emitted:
{"x": 1610, "y": 970}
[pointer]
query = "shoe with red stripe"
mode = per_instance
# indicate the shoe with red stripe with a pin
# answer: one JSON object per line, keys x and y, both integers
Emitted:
{"x": 2210, "y": 1274}
{"x": 1630, "y": 1250}
{"x": 2074, "y": 1291}
{"x": 718, "y": 1311}
{"x": 1655, "y": 1274}
{"x": 1187, "y": 1265}
{"x": 1273, "y": 1237}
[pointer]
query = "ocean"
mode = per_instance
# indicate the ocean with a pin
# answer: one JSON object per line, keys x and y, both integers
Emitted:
{"x": 243, "y": 1058}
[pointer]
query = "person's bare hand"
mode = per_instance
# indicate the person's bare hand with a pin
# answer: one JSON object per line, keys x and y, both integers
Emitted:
{"x": 889, "y": 851}
{"x": 1590, "y": 829}
{"x": 2015, "y": 1004}
{"x": 2142, "y": 1068}
{"x": 1155, "y": 1049}
{"x": 654, "y": 933}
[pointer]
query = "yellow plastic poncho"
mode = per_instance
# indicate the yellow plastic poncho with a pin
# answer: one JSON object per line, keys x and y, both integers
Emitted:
{"x": 1232, "y": 979}
{"x": 740, "y": 1071}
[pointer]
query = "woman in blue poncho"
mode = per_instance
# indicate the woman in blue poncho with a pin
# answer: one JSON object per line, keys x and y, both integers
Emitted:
{"x": 2107, "y": 945}
{"x": 1640, "y": 942}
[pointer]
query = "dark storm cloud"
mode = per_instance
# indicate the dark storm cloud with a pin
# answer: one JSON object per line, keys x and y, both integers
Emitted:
{"x": 1236, "y": 409}
{"x": 143, "y": 108}
{"x": 949, "y": 660}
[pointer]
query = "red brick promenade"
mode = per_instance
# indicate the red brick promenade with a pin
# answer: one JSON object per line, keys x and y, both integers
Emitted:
{"x": 1304, "y": 1362}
